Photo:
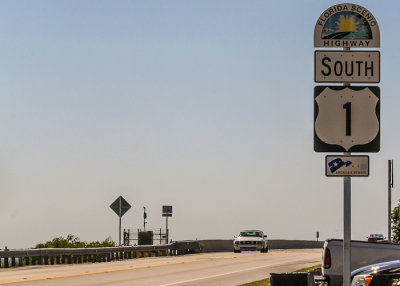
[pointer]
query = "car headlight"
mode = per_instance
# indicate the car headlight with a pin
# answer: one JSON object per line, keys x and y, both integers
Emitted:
{"x": 361, "y": 280}
{"x": 236, "y": 242}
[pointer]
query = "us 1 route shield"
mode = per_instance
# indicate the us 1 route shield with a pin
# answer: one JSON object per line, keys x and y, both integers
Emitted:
{"x": 346, "y": 119}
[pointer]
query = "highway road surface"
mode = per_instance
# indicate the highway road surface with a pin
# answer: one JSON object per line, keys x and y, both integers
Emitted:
{"x": 209, "y": 269}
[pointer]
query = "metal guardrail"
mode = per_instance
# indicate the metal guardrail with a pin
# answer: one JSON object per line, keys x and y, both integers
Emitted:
{"x": 51, "y": 256}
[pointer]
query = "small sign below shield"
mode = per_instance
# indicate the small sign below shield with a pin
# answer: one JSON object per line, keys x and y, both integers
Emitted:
{"x": 347, "y": 166}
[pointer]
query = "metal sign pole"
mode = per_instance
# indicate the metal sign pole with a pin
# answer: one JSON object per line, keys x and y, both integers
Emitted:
{"x": 390, "y": 185}
{"x": 347, "y": 231}
{"x": 167, "y": 229}
{"x": 120, "y": 206}
{"x": 347, "y": 222}
{"x": 120, "y": 215}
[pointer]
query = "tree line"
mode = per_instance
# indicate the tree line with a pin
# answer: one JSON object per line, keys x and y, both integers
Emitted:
{"x": 71, "y": 241}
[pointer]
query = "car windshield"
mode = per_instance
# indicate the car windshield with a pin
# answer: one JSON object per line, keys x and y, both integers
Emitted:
{"x": 377, "y": 235}
{"x": 251, "y": 233}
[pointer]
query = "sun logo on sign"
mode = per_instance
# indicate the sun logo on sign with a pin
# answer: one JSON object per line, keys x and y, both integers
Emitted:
{"x": 346, "y": 24}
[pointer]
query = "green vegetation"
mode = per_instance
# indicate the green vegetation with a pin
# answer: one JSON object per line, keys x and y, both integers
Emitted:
{"x": 72, "y": 241}
{"x": 309, "y": 269}
{"x": 265, "y": 282}
{"x": 201, "y": 246}
{"x": 396, "y": 224}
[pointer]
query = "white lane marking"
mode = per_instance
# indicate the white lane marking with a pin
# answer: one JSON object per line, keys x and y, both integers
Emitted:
{"x": 213, "y": 276}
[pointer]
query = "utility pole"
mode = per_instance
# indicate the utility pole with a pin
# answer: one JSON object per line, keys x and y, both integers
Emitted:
{"x": 390, "y": 186}
{"x": 144, "y": 218}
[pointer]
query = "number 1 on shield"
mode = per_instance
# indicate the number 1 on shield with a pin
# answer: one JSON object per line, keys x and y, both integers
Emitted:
{"x": 347, "y": 106}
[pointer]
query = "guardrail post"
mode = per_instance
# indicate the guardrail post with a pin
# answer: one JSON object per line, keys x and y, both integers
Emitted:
{"x": 5, "y": 258}
{"x": 13, "y": 261}
{"x": 69, "y": 259}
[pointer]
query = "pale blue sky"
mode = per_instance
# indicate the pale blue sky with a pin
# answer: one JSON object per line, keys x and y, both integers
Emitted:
{"x": 203, "y": 105}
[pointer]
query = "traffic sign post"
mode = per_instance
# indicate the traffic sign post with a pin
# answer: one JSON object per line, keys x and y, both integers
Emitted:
{"x": 346, "y": 119}
{"x": 120, "y": 206}
{"x": 167, "y": 212}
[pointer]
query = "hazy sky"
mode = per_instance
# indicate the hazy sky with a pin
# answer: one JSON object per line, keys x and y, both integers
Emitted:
{"x": 203, "y": 105}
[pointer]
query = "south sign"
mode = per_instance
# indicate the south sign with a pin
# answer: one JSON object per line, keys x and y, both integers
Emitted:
{"x": 347, "y": 66}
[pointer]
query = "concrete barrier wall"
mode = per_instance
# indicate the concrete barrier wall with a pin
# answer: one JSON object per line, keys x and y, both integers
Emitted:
{"x": 294, "y": 244}
{"x": 223, "y": 245}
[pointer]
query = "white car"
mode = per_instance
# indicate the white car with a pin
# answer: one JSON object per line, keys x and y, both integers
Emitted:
{"x": 250, "y": 240}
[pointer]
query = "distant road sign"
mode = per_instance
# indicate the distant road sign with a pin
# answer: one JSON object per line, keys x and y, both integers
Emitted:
{"x": 167, "y": 211}
{"x": 346, "y": 119}
{"x": 347, "y": 25}
{"x": 120, "y": 206}
{"x": 347, "y": 66}
{"x": 347, "y": 166}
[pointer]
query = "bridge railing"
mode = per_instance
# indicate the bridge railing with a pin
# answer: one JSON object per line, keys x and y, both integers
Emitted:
{"x": 51, "y": 256}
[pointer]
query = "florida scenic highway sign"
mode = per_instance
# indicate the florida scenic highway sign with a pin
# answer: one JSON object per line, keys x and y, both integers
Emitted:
{"x": 346, "y": 119}
{"x": 347, "y": 25}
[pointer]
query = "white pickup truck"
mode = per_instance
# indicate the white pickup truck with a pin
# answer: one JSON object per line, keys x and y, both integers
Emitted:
{"x": 363, "y": 253}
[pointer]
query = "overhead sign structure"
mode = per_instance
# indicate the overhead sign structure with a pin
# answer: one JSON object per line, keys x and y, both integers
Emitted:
{"x": 346, "y": 119}
{"x": 347, "y": 166}
{"x": 347, "y": 25}
{"x": 347, "y": 66}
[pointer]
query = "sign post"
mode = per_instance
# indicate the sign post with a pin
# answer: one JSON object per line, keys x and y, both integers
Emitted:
{"x": 390, "y": 186}
{"x": 346, "y": 118}
{"x": 120, "y": 206}
{"x": 167, "y": 212}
